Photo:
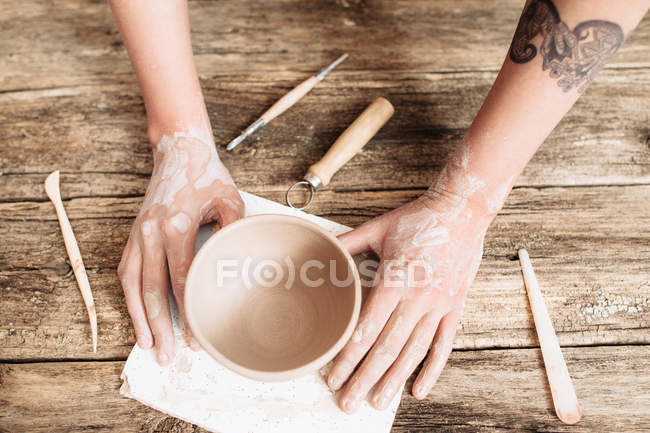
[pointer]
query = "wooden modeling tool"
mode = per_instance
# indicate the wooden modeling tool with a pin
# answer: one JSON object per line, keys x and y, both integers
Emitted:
{"x": 284, "y": 103}
{"x": 54, "y": 193}
{"x": 349, "y": 143}
{"x": 564, "y": 396}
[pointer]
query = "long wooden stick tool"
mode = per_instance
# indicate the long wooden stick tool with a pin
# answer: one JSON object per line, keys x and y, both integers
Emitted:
{"x": 349, "y": 143}
{"x": 54, "y": 193}
{"x": 284, "y": 103}
{"x": 564, "y": 395}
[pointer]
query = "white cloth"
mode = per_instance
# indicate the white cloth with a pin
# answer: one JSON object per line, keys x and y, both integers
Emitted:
{"x": 198, "y": 389}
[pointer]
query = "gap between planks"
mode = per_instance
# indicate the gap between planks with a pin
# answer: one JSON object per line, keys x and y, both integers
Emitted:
{"x": 282, "y": 191}
{"x": 484, "y": 349}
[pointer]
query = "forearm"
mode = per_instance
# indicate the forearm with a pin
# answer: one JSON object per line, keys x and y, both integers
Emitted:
{"x": 572, "y": 40}
{"x": 189, "y": 185}
{"x": 157, "y": 38}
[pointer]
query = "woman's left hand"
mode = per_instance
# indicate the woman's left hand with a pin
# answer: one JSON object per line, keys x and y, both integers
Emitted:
{"x": 430, "y": 251}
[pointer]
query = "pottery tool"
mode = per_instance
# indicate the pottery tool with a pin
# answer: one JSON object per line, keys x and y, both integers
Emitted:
{"x": 54, "y": 193}
{"x": 344, "y": 148}
{"x": 198, "y": 389}
{"x": 564, "y": 396}
{"x": 284, "y": 103}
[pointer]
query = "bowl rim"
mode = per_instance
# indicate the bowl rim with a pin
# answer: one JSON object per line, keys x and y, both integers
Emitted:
{"x": 282, "y": 375}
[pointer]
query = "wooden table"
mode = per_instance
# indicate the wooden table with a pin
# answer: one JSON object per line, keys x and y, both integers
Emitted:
{"x": 69, "y": 101}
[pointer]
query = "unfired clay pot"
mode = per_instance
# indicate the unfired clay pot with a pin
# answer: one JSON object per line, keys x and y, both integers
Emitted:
{"x": 272, "y": 297}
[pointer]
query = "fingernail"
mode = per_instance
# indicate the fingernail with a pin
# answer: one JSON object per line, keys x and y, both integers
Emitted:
{"x": 350, "y": 405}
{"x": 335, "y": 382}
{"x": 144, "y": 341}
{"x": 381, "y": 400}
{"x": 163, "y": 359}
{"x": 194, "y": 345}
{"x": 418, "y": 392}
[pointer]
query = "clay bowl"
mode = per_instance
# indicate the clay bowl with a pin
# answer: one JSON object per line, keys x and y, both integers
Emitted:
{"x": 263, "y": 326}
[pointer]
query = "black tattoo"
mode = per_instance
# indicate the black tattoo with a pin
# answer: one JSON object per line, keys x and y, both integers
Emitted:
{"x": 574, "y": 56}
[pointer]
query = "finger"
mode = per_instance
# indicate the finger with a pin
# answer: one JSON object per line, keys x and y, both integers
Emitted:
{"x": 383, "y": 354}
{"x": 224, "y": 209}
{"x": 413, "y": 353}
{"x": 438, "y": 355}
{"x": 231, "y": 213}
{"x": 374, "y": 315}
{"x": 363, "y": 238}
{"x": 130, "y": 273}
{"x": 180, "y": 238}
{"x": 155, "y": 286}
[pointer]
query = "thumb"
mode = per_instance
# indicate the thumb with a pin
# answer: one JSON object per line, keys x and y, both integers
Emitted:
{"x": 228, "y": 210}
{"x": 229, "y": 215}
{"x": 368, "y": 236}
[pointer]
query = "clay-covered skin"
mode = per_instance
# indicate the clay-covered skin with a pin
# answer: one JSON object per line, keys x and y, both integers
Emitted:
{"x": 439, "y": 237}
{"x": 189, "y": 186}
{"x": 446, "y": 226}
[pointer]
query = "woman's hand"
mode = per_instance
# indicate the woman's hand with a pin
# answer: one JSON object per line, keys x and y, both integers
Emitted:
{"x": 430, "y": 251}
{"x": 189, "y": 186}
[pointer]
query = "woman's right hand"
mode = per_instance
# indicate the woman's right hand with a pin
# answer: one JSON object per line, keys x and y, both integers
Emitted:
{"x": 189, "y": 187}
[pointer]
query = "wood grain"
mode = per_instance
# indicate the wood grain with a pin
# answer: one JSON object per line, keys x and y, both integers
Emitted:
{"x": 61, "y": 105}
{"x": 488, "y": 390}
{"x": 70, "y": 102}
{"x": 595, "y": 295}
{"x": 603, "y": 140}
{"x": 76, "y": 41}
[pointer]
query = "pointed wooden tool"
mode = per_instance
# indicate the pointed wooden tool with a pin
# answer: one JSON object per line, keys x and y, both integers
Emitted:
{"x": 54, "y": 193}
{"x": 564, "y": 395}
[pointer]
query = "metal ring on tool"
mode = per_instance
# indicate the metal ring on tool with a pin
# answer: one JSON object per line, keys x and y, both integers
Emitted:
{"x": 311, "y": 195}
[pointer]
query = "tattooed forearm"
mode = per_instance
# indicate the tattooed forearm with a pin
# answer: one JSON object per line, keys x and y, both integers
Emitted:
{"x": 574, "y": 57}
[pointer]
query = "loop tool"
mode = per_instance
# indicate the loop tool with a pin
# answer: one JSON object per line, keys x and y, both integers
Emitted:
{"x": 349, "y": 143}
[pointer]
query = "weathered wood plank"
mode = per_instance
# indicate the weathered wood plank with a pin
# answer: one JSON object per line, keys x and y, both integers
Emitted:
{"x": 95, "y": 131}
{"x": 29, "y": 187}
{"x": 487, "y": 391}
{"x": 69, "y": 101}
{"x": 45, "y": 45}
{"x": 492, "y": 390}
{"x": 590, "y": 247}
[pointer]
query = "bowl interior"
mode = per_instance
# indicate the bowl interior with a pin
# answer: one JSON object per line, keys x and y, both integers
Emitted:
{"x": 271, "y": 294}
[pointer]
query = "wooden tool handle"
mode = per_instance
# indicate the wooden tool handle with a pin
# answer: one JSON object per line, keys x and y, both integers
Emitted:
{"x": 284, "y": 103}
{"x": 353, "y": 139}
